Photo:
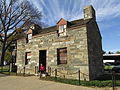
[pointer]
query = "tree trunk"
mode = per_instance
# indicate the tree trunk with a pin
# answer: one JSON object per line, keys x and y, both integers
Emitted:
{"x": 2, "y": 57}
{"x": 3, "y": 54}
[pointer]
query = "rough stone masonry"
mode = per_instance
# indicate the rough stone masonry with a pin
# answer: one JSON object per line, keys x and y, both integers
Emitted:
{"x": 68, "y": 47}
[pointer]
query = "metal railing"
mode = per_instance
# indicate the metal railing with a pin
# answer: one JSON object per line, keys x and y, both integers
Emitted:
{"x": 57, "y": 74}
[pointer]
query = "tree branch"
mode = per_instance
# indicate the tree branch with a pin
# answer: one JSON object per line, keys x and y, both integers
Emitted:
{"x": 17, "y": 23}
{"x": 15, "y": 30}
{"x": 12, "y": 15}
{"x": 8, "y": 44}
{"x": 16, "y": 18}
{"x": 1, "y": 38}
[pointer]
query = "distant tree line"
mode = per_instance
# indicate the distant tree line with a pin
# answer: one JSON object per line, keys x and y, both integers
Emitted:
{"x": 110, "y": 52}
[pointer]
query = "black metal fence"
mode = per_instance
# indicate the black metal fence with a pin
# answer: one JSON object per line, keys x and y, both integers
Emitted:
{"x": 57, "y": 73}
{"x": 113, "y": 80}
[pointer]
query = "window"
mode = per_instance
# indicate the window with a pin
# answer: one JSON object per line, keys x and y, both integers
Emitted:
{"x": 27, "y": 58}
{"x": 29, "y": 38}
{"x": 62, "y": 56}
{"x": 62, "y": 30}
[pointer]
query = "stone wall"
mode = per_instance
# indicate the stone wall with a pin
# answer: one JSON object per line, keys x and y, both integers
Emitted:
{"x": 94, "y": 50}
{"x": 84, "y": 52}
{"x": 75, "y": 41}
{"x": 20, "y": 54}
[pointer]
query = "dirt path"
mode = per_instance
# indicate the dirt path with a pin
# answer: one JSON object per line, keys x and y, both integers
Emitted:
{"x": 33, "y": 83}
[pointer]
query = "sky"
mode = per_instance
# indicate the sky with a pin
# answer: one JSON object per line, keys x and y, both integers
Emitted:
{"x": 107, "y": 13}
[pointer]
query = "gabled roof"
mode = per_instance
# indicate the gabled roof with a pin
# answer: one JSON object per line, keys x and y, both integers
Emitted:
{"x": 71, "y": 24}
{"x": 29, "y": 31}
{"x": 60, "y": 20}
{"x": 79, "y": 22}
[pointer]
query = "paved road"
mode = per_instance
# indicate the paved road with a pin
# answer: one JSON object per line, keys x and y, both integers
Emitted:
{"x": 33, "y": 83}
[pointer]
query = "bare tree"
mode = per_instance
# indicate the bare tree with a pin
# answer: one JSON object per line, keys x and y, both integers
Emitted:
{"x": 14, "y": 14}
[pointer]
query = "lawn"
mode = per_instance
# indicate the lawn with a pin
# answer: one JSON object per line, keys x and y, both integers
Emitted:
{"x": 96, "y": 83}
{"x": 104, "y": 80}
{"x": 5, "y": 68}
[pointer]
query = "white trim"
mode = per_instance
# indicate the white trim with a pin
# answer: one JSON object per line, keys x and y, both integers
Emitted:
{"x": 111, "y": 54}
{"x": 28, "y": 57}
{"x": 104, "y": 61}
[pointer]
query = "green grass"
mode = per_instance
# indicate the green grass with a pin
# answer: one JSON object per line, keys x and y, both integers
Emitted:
{"x": 5, "y": 69}
{"x": 95, "y": 83}
{"x": 9, "y": 73}
{"x": 108, "y": 67}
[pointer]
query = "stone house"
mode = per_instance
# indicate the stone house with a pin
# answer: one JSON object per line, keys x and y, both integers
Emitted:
{"x": 68, "y": 47}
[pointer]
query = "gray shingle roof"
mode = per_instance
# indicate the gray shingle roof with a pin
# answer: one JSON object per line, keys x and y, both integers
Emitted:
{"x": 71, "y": 24}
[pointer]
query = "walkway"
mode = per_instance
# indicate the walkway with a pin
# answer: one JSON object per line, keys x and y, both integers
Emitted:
{"x": 33, "y": 83}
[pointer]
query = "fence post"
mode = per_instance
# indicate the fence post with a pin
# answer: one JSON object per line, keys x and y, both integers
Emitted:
{"x": 50, "y": 71}
{"x": 40, "y": 73}
{"x": 2, "y": 68}
{"x": 35, "y": 69}
{"x": 55, "y": 74}
{"x": 113, "y": 80}
{"x": 24, "y": 71}
{"x": 79, "y": 76}
{"x": 9, "y": 68}
{"x": 16, "y": 73}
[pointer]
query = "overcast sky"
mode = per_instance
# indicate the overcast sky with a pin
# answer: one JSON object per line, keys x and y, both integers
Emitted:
{"x": 107, "y": 12}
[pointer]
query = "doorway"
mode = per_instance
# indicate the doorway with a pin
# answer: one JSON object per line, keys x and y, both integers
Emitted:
{"x": 42, "y": 58}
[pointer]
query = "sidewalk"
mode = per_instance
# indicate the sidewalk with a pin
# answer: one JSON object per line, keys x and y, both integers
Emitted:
{"x": 33, "y": 83}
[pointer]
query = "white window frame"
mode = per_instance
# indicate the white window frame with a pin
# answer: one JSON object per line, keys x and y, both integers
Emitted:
{"x": 62, "y": 30}
{"x": 29, "y": 37}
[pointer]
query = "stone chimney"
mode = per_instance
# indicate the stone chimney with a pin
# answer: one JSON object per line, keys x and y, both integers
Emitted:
{"x": 89, "y": 12}
{"x": 35, "y": 29}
